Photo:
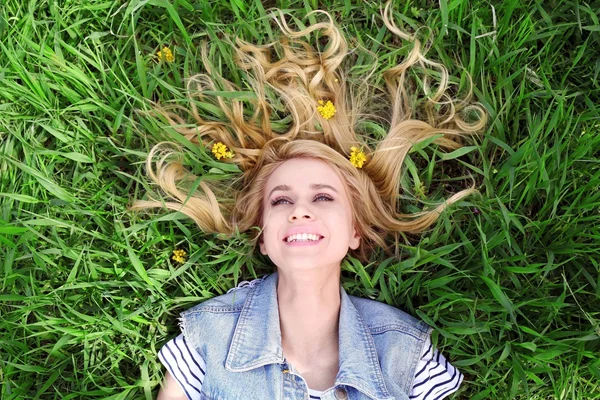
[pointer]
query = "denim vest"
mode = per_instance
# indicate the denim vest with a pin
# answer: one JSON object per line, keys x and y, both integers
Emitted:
{"x": 239, "y": 337}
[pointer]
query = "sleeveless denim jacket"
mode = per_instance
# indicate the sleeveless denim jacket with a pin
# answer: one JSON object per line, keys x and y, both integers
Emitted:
{"x": 238, "y": 335}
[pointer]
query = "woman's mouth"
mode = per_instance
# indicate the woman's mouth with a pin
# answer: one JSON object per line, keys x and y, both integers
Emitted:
{"x": 303, "y": 239}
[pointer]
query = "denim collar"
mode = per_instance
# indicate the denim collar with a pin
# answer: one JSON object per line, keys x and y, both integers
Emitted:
{"x": 257, "y": 341}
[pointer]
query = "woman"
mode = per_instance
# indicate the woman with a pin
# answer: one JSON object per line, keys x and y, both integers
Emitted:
{"x": 317, "y": 196}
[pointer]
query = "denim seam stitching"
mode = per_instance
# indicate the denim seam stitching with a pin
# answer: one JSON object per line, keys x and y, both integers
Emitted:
{"x": 372, "y": 349}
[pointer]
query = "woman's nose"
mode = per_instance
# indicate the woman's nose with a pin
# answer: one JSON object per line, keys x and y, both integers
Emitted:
{"x": 300, "y": 212}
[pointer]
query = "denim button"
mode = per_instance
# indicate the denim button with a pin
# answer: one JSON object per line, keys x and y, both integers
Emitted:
{"x": 340, "y": 393}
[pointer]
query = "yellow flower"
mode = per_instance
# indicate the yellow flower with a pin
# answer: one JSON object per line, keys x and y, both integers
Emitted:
{"x": 179, "y": 256}
{"x": 165, "y": 55}
{"x": 327, "y": 110}
{"x": 220, "y": 151}
{"x": 357, "y": 157}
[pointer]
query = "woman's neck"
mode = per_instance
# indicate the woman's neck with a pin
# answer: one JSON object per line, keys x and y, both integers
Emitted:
{"x": 309, "y": 306}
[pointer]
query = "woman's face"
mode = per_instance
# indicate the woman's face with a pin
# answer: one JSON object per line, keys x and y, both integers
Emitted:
{"x": 305, "y": 195}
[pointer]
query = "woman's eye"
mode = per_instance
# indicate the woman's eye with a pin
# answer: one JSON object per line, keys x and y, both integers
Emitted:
{"x": 318, "y": 197}
{"x": 324, "y": 196}
{"x": 278, "y": 201}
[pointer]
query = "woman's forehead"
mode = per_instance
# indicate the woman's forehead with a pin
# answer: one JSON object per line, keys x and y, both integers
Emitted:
{"x": 303, "y": 173}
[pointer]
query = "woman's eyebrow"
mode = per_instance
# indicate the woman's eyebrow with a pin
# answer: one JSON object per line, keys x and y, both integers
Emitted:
{"x": 314, "y": 186}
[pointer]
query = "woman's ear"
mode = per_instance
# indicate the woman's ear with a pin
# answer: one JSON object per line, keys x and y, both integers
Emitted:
{"x": 261, "y": 244}
{"x": 355, "y": 241}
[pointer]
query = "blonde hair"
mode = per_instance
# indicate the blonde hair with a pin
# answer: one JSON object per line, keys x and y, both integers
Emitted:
{"x": 299, "y": 78}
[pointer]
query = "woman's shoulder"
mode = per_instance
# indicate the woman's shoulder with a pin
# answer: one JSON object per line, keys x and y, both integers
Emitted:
{"x": 185, "y": 365}
{"x": 381, "y": 316}
{"x": 232, "y": 301}
{"x": 436, "y": 377}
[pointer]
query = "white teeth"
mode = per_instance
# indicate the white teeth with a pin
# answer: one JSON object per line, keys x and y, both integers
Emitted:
{"x": 303, "y": 237}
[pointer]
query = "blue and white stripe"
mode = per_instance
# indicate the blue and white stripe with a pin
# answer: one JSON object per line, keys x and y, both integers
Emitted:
{"x": 435, "y": 379}
{"x": 185, "y": 365}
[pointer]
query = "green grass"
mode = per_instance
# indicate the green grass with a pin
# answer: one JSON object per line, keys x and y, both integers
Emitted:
{"x": 510, "y": 279}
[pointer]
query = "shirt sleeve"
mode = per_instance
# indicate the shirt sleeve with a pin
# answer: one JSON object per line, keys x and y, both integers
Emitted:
{"x": 185, "y": 365}
{"x": 436, "y": 378}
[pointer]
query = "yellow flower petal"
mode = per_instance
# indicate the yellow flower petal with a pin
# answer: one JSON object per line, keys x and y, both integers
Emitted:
{"x": 165, "y": 55}
{"x": 179, "y": 256}
{"x": 220, "y": 151}
{"x": 327, "y": 110}
{"x": 357, "y": 157}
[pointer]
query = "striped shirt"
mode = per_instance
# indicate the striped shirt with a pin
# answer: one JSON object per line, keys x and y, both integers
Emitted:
{"x": 435, "y": 379}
